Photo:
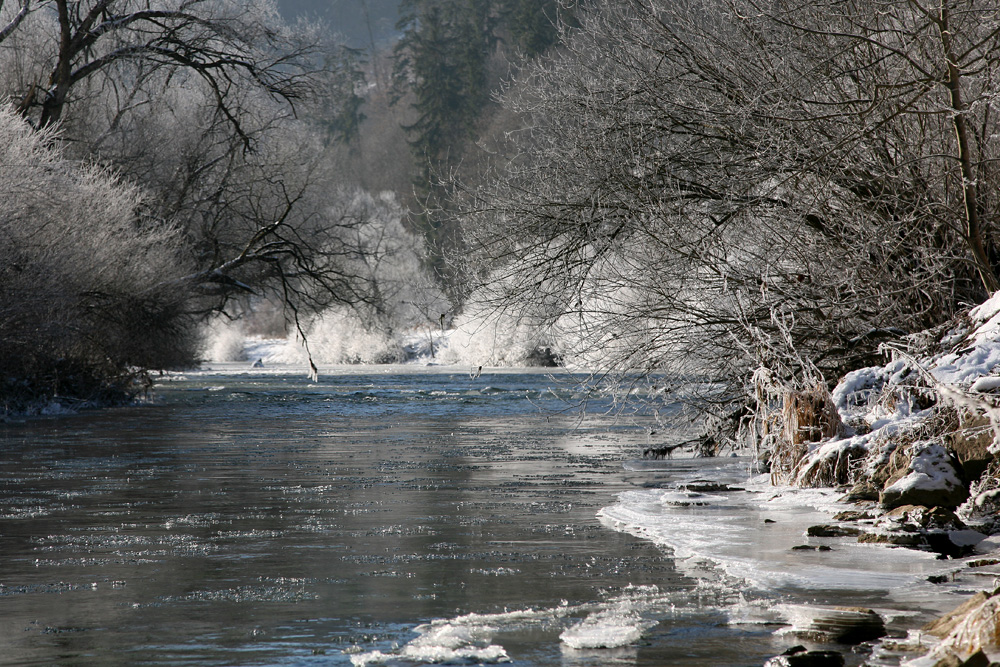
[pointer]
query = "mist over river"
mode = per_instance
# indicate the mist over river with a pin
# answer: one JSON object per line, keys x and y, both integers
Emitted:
{"x": 384, "y": 515}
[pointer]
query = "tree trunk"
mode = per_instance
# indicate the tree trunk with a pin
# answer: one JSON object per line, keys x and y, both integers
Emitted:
{"x": 973, "y": 228}
{"x": 59, "y": 81}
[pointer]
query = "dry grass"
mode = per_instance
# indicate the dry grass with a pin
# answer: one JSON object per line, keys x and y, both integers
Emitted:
{"x": 810, "y": 416}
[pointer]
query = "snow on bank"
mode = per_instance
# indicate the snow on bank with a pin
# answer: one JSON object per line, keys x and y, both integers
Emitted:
{"x": 335, "y": 340}
{"x": 880, "y": 402}
{"x": 759, "y": 535}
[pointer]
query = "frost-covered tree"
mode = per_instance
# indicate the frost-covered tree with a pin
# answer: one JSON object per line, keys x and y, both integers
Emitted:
{"x": 223, "y": 116}
{"x": 85, "y": 276}
{"x": 197, "y": 102}
{"x": 394, "y": 291}
{"x": 227, "y": 44}
{"x": 704, "y": 186}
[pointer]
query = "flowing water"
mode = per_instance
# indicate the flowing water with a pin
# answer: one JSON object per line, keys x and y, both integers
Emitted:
{"x": 380, "y": 516}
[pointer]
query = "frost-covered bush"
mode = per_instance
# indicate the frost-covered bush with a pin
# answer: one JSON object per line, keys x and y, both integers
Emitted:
{"x": 486, "y": 337}
{"x": 394, "y": 290}
{"x": 87, "y": 282}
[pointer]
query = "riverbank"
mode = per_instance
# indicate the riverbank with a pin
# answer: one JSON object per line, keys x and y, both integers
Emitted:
{"x": 890, "y": 484}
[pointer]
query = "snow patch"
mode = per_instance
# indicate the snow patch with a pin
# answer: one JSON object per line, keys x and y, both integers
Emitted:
{"x": 931, "y": 470}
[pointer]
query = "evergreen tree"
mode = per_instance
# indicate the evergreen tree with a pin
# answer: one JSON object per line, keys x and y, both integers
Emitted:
{"x": 449, "y": 60}
{"x": 442, "y": 61}
{"x": 531, "y": 24}
{"x": 341, "y": 98}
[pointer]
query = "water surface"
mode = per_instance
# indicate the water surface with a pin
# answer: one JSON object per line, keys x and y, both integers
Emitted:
{"x": 380, "y": 515}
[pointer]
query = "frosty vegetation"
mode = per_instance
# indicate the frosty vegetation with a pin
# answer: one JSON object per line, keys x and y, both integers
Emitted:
{"x": 732, "y": 189}
{"x": 749, "y": 195}
{"x": 168, "y": 163}
{"x": 85, "y": 282}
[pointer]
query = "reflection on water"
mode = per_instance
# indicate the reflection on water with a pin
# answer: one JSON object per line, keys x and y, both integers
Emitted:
{"x": 261, "y": 519}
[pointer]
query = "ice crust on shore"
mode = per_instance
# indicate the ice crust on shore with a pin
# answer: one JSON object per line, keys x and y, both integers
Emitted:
{"x": 881, "y": 403}
{"x": 729, "y": 531}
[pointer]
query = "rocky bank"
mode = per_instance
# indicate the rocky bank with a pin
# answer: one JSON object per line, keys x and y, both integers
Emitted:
{"x": 914, "y": 447}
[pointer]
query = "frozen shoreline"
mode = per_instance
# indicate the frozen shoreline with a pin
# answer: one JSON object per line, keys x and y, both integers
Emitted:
{"x": 752, "y": 537}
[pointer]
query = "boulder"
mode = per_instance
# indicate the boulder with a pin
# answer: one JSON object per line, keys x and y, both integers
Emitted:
{"x": 967, "y": 633}
{"x": 862, "y": 491}
{"x": 943, "y": 626}
{"x": 897, "y": 458}
{"x": 832, "y": 530}
{"x": 977, "y": 659}
{"x": 971, "y": 445}
{"x": 933, "y": 478}
{"x": 921, "y": 517}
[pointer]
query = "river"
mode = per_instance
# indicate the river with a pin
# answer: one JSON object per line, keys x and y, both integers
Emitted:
{"x": 383, "y": 515}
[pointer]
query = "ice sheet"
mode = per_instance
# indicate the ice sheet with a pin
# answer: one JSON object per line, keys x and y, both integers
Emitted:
{"x": 749, "y": 536}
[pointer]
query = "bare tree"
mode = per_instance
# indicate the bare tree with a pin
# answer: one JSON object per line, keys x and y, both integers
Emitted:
{"x": 705, "y": 186}
{"x": 229, "y": 45}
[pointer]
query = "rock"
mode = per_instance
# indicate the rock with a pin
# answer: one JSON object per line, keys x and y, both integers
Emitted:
{"x": 967, "y": 633}
{"x": 706, "y": 486}
{"x": 830, "y": 530}
{"x": 943, "y": 626}
{"x": 850, "y": 625}
{"x": 543, "y": 357}
{"x": 971, "y": 445}
{"x": 896, "y": 460}
{"x": 945, "y": 544}
{"x": 851, "y": 516}
{"x": 977, "y": 659}
{"x": 932, "y": 478}
{"x": 918, "y": 516}
{"x": 943, "y": 519}
{"x": 863, "y": 490}
{"x": 893, "y": 539}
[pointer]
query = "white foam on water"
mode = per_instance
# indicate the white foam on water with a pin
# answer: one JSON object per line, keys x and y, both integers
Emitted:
{"x": 612, "y": 628}
{"x": 614, "y": 623}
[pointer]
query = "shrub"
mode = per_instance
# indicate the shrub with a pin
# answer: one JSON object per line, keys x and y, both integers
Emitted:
{"x": 88, "y": 283}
